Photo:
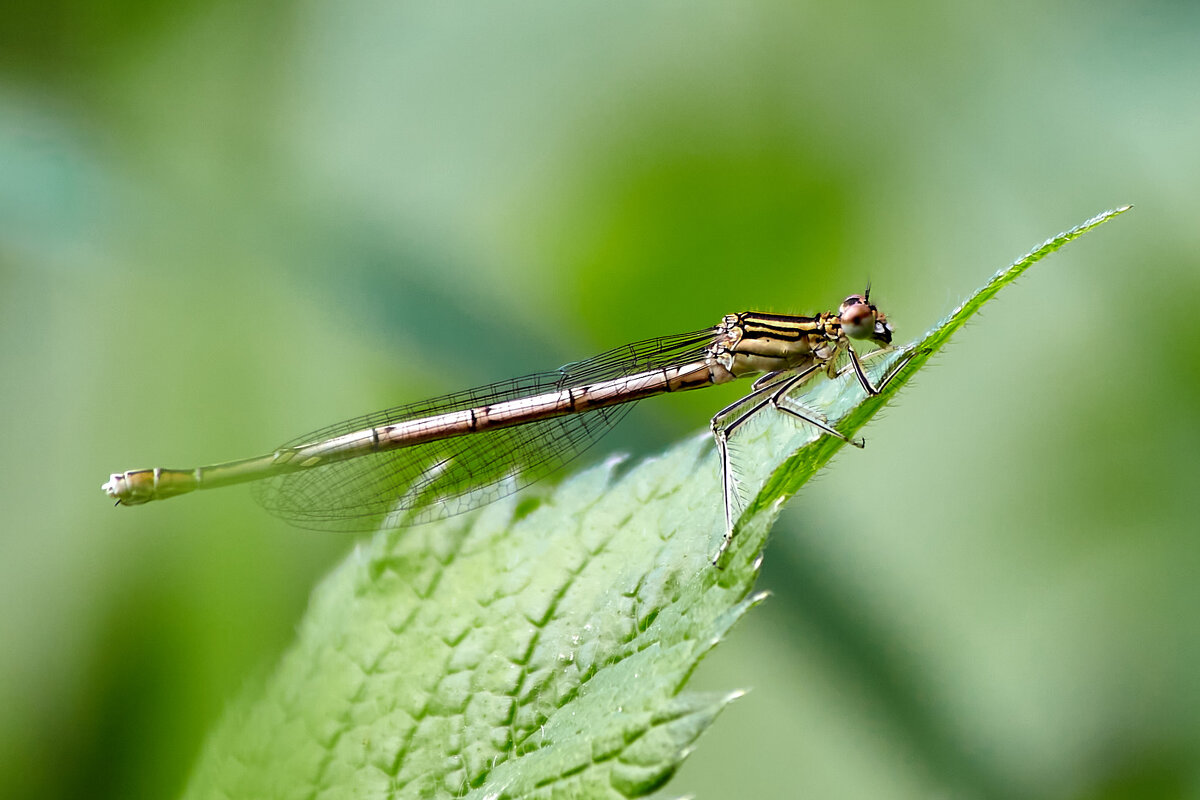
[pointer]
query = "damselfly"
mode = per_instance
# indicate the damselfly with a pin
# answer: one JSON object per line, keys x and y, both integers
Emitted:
{"x": 444, "y": 456}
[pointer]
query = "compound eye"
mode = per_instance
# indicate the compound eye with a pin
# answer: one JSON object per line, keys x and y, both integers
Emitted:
{"x": 858, "y": 317}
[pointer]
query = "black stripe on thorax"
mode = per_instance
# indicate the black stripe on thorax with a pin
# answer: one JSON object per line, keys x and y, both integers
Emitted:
{"x": 779, "y": 326}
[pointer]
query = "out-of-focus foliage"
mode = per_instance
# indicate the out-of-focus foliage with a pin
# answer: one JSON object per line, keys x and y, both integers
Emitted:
{"x": 222, "y": 224}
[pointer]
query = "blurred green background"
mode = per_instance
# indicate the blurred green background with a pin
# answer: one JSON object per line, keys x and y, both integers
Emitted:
{"x": 225, "y": 223}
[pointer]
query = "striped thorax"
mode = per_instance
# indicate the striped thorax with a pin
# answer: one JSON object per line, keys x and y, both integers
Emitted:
{"x": 753, "y": 342}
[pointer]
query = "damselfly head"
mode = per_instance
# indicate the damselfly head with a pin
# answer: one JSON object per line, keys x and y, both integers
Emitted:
{"x": 862, "y": 320}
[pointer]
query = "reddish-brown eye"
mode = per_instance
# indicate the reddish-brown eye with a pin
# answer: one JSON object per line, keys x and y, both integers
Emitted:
{"x": 858, "y": 317}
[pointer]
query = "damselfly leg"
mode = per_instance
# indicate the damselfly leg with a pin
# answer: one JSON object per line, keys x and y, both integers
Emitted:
{"x": 773, "y": 390}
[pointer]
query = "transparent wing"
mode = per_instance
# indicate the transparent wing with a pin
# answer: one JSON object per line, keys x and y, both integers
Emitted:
{"x": 438, "y": 479}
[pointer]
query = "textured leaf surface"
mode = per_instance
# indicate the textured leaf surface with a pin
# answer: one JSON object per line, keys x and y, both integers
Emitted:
{"x": 535, "y": 652}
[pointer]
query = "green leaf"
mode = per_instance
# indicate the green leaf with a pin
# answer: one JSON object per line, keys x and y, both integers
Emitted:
{"x": 538, "y": 648}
